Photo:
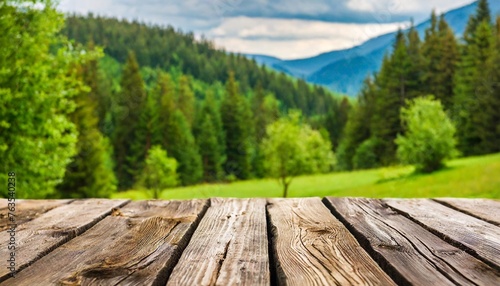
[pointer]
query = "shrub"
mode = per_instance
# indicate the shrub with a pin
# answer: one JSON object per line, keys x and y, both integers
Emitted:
{"x": 430, "y": 135}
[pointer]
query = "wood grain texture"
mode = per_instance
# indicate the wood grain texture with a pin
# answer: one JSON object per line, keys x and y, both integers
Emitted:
{"x": 229, "y": 247}
{"x": 313, "y": 248}
{"x": 476, "y": 236}
{"x": 418, "y": 256}
{"x": 137, "y": 245}
{"x": 40, "y": 236}
{"x": 488, "y": 210}
{"x": 27, "y": 210}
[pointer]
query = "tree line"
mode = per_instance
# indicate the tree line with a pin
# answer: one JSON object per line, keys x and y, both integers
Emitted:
{"x": 461, "y": 73}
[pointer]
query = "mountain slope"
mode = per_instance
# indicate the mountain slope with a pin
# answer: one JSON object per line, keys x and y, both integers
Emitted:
{"x": 344, "y": 71}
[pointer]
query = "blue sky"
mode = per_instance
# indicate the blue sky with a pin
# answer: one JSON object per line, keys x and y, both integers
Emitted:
{"x": 287, "y": 29}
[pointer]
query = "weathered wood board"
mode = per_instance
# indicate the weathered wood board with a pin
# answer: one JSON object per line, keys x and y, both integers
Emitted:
{"x": 312, "y": 247}
{"x": 417, "y": 256}
{"x": 488, "y": 210}
{"x": 40, "y": 236}
{"x": 229, "y": 246}
{"x": 478, "y": 237}
{"x": 336, "y": 241}
{"x": 137, "y": 245}
{"x": 27, "y": 210}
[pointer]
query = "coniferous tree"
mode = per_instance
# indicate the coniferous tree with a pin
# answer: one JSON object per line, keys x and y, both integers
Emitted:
{"x": 186, "y": 100}
{"x": 175, "y": 133}
{"x": 266, "y": 110}
{"x": 165, "y": 91}
{"x": 131, "y": 102}
{"x": 90, "y": 174}
{"x": 391, "y": 95}
{"x": 440, "y": 51}
{"x": 471, "y": 83}
{"x": 182, "y": 146}
{"x": 483, "y": 14}
{"x": 235, "y": 120}
{"x": 357, "y": 129}
{"x": 486, "y": 119}
{"x": 210, "y": 139}
{"x": 416, "y": 64}
{"x": 147, "y": 133}
{"x": 336, "y": 120}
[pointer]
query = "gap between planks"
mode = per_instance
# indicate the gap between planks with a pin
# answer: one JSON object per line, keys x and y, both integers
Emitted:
{"x": 407, "y": 251}
{"x": 39, "y": 237}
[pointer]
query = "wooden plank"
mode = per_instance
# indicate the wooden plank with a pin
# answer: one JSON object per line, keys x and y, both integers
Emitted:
{"x": 229, "y": 246}
{"x": 27, "y": 210}
{"x": 313, "y": 248}
{"x": 488, "y": 210}
{"x": 40, "y": 236}
{"x": 137, "y": 245}
{"x": 476, "y": 236}
{"x": 417, "y": 256}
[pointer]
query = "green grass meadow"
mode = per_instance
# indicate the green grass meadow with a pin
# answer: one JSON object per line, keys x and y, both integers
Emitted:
{"x": 474, "y": 177}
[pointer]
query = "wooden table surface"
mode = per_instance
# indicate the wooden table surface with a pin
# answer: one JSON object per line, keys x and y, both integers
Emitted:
{"x": 309, "y": 241}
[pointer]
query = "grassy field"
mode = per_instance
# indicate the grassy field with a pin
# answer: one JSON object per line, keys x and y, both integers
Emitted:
{"x": 475, "y": 177}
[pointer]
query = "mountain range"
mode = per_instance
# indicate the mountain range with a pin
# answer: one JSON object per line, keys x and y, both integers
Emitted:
{"x": 343, "y": 71}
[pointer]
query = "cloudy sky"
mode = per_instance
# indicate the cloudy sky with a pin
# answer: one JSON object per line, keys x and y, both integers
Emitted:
{"x": 288, "y": 29}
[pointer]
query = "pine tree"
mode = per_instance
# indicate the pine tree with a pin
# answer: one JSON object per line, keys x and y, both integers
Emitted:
{"x": 131, "y": 102}
{"x": 182, "y": 146}
{"x": 415, "y": 66}
{"x": 210, "y": 139}
{"x": 486, "y": 118}
{"x": 235, "y": 121}
{"x": 165, "y": 92}
{"x": 471, "y": 84}
{"x": 391, "y": 95}
{"x": 440, "y": 51}
{"x": 186, "y": 100}
{"x": 483, "y": 14}
{"x": 266, "y": 110}
{"x": 146, "y": 134}
{"x": 89, "y": 175}
{"x": 357, "y": 128}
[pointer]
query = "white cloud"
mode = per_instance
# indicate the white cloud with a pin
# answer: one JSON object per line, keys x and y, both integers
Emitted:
{"x": 288, "y": 39}
{"x": 283, "y": 28}
{"x": 405, "y": 6}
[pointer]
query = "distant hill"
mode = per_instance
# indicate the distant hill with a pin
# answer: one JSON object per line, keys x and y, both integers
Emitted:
{"x": 344, "y": 71}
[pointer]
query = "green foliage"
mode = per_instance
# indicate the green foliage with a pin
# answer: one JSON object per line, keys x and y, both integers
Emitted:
{"x": 483, "y": 14}
{"x": 430, "y": 136}
{"x": 185, "y": 101}
{"x": 358, "y": 126}
{"x": 365, "y": 156}
{"x": 236, "y": 115}
{"x": 210, "y": 139}
{"x": 287, "y": 157}
{"x": 90, "y": 174}
{"x": 336, "y": 121}
{"x": 128, "y": 134}
{"x": 472, "y": 82}
{"x": 159, "y": 172}
{"x": 487, "y": 119}
{"x": 266, "y": 110}
{"x": 440, "y": 51}
{"x": 182, "y": 146}
{"x": 37, "y": 140}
